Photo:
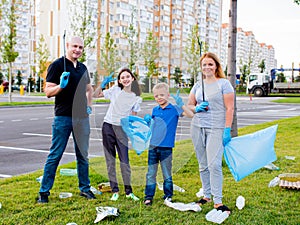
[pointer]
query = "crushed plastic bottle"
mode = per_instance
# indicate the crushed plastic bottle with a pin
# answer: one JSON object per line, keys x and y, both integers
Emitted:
{"x": 216, "y": 216}
{"x": 72, "y": 223}
{"x": 160, "y": 186}
{"x": 274, "y": 182}
{"x": 95, "y": 191}
{"x": 39, "y": 179}
{"x": 271, "y": 166}
{"x": 290, "y": 157}
{"x": 240, "y": 202}
{"x": 65, "y": 195}
{"x": 0, "y": 205}
{"x": 68, "y": 172}
{"x": 177, "y": 188}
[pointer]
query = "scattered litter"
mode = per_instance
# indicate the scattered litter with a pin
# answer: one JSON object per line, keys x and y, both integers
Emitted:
{"x": 0, "y": 205}
{"x": 39, "y": 179}
{"x": 72, "y": 223}
{"x": 68, "y": 172}
{"x": 104, "y": 187}
{"x": 216, "y": 216}
{"x": 240, "y": 202}
{"x": 175, "y": 187}
{"x": 95, "y": 191}
{"x": 290, "y": 157}
{"x": 199, "y": 194}
{"x": 103, "y": 212}
{"x": 182, "y": 206}
{"x": 274, "y": 182}
{"x": 271, "y": 166}
{"x": 65, "y": 195}
{"x": 290, "y": 180}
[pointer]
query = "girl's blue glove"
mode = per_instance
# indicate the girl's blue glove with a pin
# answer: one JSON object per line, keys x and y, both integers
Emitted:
{"x": 107, "y": 80}
{"x": 89, "y": 110}
{"x": 64, "y": 79}
{"x": 178, "y": 99}
{"x": 226, "y": 136}
{"x": 202, "y": 107}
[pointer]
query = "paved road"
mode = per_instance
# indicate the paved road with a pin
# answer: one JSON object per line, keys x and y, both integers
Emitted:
{"x": 26, "y": 131}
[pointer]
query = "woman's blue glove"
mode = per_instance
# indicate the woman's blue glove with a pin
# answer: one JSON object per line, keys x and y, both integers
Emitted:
{"x": 226, "y": 136}
{"x": 64, "y": 79}
{"x": 107, "y": 80}
{"x": 202, "y": 107}
{"x": 89, "y": 110}
{"x": 148, "y": 118}
{"x": 178, "y": 99}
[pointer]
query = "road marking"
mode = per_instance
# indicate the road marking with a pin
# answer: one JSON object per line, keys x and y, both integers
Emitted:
{"x": 49, "y": 135}
{"x": 34, "y": 119}
{"x": 16, "y": 120}
{"x": 5, "y": 176}
{"x": 38, "y": 150}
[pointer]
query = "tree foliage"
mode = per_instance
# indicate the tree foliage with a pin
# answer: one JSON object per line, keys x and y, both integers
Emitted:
{"x": 262, "y": 66}
{"x": 177, "y": 76}
{"x": 109, "y": 55}
{"x": 297, "y": 2}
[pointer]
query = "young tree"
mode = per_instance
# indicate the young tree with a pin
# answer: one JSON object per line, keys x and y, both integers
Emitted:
{"x": 150, "y": 55}
{"x": 8, "y": 42}
{"x": 19, "y": 78}
{"x": 83, "y": 25}
{"x": 262, "y": 66}
{"x": 192, "y": 56}
{"x": 109, "y": 55}
{"x": 132, "y": 36}
{"x": 177, "y": 76}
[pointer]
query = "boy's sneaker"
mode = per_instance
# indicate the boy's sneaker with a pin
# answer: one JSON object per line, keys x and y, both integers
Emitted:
{"x": 114, "y": 197}
{"x": 43, "y": 198}
{"x": 88, "y": 195}
{"x": 132, "y": 196}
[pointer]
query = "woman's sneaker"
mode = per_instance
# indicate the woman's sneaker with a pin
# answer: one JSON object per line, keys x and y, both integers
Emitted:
{"x": 114, "y": 197}
{"x": 133, "y": 197}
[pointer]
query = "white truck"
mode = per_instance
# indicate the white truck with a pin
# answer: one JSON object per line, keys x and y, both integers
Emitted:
{"x": 261, "y": 84}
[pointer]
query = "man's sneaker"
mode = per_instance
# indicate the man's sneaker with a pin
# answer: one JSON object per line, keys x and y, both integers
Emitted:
{"x": 88, "y": 195}
{"x": 132, "y": 196}
{"x": 43, "y": 198}
{"x": 114, "y": 197}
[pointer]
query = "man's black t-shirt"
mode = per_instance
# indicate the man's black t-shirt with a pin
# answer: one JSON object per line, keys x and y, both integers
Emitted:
{"x": 72, "y": 100}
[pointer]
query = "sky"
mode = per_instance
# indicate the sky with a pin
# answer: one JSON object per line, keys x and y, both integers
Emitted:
{"x": 273, "y": 22}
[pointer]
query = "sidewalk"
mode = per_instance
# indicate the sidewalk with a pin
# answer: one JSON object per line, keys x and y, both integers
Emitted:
{"x": 16, "y": 97}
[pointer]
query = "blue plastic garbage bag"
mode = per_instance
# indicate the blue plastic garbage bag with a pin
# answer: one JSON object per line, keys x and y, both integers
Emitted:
{"x": 248, "y": 153}
{"x": 138, "y": 131}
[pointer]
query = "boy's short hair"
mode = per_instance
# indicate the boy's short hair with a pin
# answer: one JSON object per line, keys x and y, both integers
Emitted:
{"x": 161, "y": 86}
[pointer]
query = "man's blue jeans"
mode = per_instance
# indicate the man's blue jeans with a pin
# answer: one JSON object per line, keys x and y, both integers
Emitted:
{"x": 163, "y": 156}
{"x": 62, "y": 127}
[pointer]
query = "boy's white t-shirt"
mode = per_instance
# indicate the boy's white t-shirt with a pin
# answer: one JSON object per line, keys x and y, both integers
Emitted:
{"x": 122, "y": 104}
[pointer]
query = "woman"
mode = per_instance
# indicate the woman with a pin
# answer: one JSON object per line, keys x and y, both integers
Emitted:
{"x": 210, "y": 127}
{"x": 124, "y": 100}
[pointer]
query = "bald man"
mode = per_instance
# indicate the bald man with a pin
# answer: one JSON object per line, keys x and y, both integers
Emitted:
{"x": 73, "y": 100}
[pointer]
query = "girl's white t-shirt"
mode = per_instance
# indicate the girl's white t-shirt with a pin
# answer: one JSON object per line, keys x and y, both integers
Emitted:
{"x": 122, "y": 104}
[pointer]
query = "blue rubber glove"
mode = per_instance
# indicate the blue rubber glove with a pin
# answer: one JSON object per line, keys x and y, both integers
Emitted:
{"x": 202, "y": 107}
{"x": 89, "y": 110}
{"x": 148, "y": 118}
{"x": 178, "y": 99}
{"x": 226, "y": 136}
{"x": 64, "y": 79}
{"x": 107, "y": 80}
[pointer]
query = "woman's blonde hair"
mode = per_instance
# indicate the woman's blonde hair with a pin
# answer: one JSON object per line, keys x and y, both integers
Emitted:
{"x": 219, "y": 71}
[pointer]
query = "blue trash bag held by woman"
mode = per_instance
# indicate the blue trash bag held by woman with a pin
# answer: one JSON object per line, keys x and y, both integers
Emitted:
{"x": 248, "y": 153}
{"x": 138, "y": 131}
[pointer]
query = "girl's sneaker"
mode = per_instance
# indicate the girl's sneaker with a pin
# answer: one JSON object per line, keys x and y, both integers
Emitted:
{"x": 133, "y": 197}
{"x": 114, "y": 197}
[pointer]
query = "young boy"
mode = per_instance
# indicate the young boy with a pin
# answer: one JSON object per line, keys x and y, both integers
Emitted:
{"x": 165, "y": 117}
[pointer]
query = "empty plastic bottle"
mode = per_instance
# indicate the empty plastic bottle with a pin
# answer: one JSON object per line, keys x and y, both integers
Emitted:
{"x": 240, "y": 202}
{"x": 95, "y": 191}
{"x": 199, "y": 194}
{"x": 271, "y": 166}
{"x": 39, "y": 179}
{"x": 68, "y": 172}
{"x": 177, "y": 188}
{"x": 160, "y": 186}
{"x": 274, "y": 182}
{"x": 65, "y": 195}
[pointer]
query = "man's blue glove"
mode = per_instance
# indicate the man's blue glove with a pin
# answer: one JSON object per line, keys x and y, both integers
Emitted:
{"x": 148, "y": 118}
{"x": 107, "y": 80}
{"x": 64, "y": 79}
{"x": 178, "y": 99}
{"x": 89, "y": 110}
{"x": 202, "y": 107}
{"x": 226, "y": 136}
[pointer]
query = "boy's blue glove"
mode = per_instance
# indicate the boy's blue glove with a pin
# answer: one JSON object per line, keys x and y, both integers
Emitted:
{"x": 107, "y": 80}
{"x": 148, "y": 118}
{"x": 89, "y": 110}
{"x": 64, "y": 79}
{"x": 178, "y": 99}
{"x": 226, "y": 136}
{"x": 202, "y": 107}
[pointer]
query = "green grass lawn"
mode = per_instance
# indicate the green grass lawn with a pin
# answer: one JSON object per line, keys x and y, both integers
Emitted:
{"x": 264, "y": 205}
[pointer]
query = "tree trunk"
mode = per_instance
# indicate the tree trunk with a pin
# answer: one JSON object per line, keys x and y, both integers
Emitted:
{"x": 232, "y": 58}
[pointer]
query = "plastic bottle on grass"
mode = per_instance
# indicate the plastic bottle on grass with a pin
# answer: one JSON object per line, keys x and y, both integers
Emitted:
{"x": 177, "y": 188}
{"x": 271, "y": 166}
{"x": 274, "y": 182}
{"x": 240, "y": 202}
{"x": 68, "y": 172}
{"x": 65, "y": 195}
